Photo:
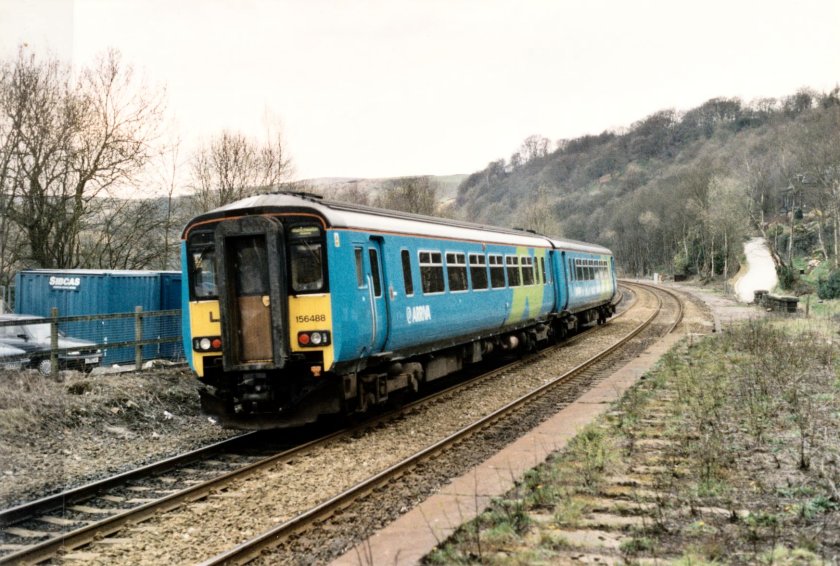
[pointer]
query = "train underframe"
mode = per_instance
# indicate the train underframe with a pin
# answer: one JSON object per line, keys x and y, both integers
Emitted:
{"x": 297, "y": 396}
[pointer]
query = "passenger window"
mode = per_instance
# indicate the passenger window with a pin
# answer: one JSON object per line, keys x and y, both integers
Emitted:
{"x": 456, "y": 270}
{"x": 527, "y": 263}
{"x": 374, "y": 270}
{"x": 431, "y": 272}
{"x": 542, "y": 270}
{"x": 360, "y": 272}
{"x": 514, "y": 278}
{"x": 406, "y": 266}
{"x": 497, "y": 271}
{"x": 478, "y": 271}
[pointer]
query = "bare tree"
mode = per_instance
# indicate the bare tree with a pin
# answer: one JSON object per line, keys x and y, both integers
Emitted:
{"x": 167, "y": 179}
{"x": 354, "y": 193}
{"x": 538, "y": 215}
{"x": 534, "y": 147}
{"x": 410, "y": 194}
{"x": 8, "y": 187}
{"x": 127, "y": 234}
{"x": 818, "y": 158}
{"x": 231, "y": 167}
{"x": 76, "y": 139}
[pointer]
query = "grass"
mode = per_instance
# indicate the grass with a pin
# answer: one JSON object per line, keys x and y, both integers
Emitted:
{"x": 745, "y": 427}
{"x": 31, "y": 402}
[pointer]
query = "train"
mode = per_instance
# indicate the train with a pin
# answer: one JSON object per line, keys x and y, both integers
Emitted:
{"x": 298, "y": 308}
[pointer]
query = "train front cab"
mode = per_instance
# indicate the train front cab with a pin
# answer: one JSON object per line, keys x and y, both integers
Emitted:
{"x": 260, "y": 319}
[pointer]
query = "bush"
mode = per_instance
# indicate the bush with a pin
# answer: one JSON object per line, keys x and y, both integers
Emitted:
{"x": 830, "y": 288}
{"x": 787, "y": 276}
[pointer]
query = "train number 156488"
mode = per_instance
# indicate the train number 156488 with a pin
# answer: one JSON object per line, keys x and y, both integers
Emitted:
{"x": 310, "y": 318}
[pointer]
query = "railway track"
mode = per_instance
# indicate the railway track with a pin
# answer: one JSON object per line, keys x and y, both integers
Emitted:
{"x": 36, "y": 530}
{"x": 254, "y": 547}
{"x": 117, "y": 517}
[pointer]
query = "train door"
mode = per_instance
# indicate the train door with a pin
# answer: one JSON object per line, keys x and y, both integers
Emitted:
{"x": 252, "y": 292}
{"x": 562, "y": 281}
{"x": 378, "y": 301}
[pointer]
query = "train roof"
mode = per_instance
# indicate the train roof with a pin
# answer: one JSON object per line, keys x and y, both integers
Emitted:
{"x": 344, "y": 215}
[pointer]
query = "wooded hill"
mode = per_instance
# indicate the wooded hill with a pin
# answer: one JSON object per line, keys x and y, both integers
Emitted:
{"x": 677, "y": 192}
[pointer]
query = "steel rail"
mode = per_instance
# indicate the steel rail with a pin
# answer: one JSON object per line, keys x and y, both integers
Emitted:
{"x": 252, "y": 548}
{"x": 49, "y": 503}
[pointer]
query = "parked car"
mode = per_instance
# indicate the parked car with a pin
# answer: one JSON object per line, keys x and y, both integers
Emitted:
{"x": 34, "y": 339}
{"x": 12, "y": 358}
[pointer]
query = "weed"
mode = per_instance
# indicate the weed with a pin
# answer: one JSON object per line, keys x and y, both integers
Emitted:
{"x": 499, "y": 535}
{"x": 569, "y": 511}
{"x": 510, "y": 512}
{"x": 692, "y": 558}
{"x": 700, "y": 529}
{"x": 554, "y": 541}
{"x": 541, "y": 489}
{"x": 783, "y": 556}
{"x": 810, "y": 508}
{"x": 592, "y": 451}
{"x": 636, "y": 545}
{"x": 447, "y": 554}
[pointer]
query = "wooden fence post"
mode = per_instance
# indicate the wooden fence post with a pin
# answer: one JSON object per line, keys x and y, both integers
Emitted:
{"x": 54, "y": 342}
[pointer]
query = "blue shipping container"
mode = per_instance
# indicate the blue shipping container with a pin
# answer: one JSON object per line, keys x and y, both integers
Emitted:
{"x": 82, "y": 292}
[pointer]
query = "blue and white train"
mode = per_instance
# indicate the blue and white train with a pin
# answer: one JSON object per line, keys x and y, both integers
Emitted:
{"x": 297, "y": 307}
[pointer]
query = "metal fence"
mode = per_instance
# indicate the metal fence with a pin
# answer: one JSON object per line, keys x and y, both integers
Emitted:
{"x": 116, "y": 339}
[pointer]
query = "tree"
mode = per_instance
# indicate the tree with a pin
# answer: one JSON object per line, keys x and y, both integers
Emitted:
{"x": 128, "y": 234}
{"x": 418, "y": 195}
{"x": 75, "y": 137}
{"x": 728, "y": 217}
{"x": 232, "y": 166}
{"x": 538, "y": 216}
{"x": 817, "y": 154}
{"x": 534, "y": 147}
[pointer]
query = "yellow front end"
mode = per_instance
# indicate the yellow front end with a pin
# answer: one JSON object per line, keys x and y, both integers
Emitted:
{"x": 205, "y": 320}
{"x": 310, "y": 314}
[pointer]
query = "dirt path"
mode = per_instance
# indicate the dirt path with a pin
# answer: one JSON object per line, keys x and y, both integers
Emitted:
{"x": 761, "y": 271}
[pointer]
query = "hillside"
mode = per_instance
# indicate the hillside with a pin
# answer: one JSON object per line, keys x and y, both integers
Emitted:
{"x": 447, "y": 186}
{"x": 679, "y": 191}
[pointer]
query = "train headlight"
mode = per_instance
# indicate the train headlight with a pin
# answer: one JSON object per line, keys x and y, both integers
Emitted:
{"x": 313, "y": 338}
{"x": 207, "y": 344}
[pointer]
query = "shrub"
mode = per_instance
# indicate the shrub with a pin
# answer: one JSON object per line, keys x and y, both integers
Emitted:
{"x": 787, "y": 276}
{"x": 830, "y": 288}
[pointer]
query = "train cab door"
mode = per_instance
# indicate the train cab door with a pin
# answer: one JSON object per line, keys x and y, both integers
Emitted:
{"x": 377, "y": 290}
{"x": 252, "y": 292}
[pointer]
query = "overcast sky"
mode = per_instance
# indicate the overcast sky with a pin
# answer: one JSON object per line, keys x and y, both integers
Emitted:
{"x": 393, "y": 88}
